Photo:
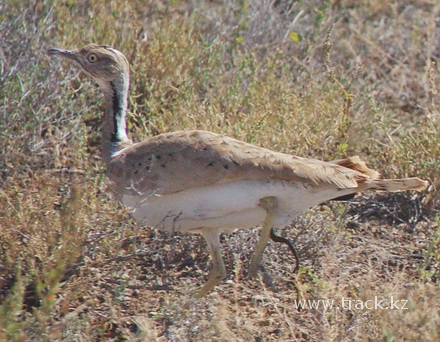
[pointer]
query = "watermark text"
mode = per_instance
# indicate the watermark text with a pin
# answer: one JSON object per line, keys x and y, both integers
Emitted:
{"x": 376, "y": 303}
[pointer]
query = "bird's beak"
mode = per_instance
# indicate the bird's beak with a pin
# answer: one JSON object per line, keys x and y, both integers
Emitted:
{"x": 62, "y": 53}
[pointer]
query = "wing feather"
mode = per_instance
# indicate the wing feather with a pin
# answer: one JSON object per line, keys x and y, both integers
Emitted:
{"x": 173, "y": 162}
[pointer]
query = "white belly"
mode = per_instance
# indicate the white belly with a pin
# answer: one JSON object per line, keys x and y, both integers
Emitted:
{"x": 228, "y": 206}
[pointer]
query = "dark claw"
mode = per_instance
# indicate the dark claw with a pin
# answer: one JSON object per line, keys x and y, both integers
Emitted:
{"x": 277, "y": 238}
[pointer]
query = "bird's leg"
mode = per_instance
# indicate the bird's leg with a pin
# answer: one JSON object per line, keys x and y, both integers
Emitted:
{"x": 218, "y": 271}
{"x": 269, "y": 204}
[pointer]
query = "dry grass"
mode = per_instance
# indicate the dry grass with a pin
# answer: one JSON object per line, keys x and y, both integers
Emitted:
{"x": 73, "y": 264}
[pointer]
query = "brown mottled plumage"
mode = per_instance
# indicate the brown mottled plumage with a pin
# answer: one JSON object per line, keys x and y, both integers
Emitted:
{"x": 208, "y": 183}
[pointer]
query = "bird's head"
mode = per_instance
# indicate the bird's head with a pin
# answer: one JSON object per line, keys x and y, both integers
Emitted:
{"x": 104, "y": 64}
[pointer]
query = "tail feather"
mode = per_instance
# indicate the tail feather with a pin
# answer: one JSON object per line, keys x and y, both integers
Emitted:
{"x": 393, "y": 185}
{"x": 356, "y": 164}
{"x": 376, "y": 184}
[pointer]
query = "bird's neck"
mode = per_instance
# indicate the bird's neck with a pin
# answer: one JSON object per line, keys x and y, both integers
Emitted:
{"x": 114, "y": 130}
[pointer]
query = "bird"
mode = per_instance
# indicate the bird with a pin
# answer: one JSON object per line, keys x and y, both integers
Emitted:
{"x": 207, "y": 183}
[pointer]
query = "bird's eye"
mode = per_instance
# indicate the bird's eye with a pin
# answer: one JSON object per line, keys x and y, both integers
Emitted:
{"x": 92, "y": 58}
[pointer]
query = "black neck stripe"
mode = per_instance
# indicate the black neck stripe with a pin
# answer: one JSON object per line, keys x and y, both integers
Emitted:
{"x": 117, "y": 109}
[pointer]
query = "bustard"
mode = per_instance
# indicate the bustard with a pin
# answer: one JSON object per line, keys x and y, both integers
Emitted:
{"x": 207, "y": 183}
